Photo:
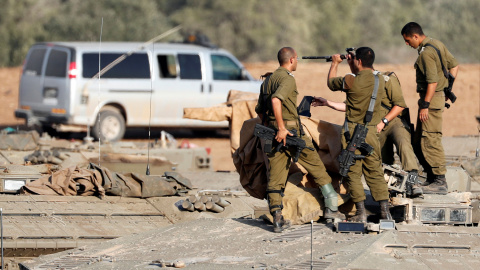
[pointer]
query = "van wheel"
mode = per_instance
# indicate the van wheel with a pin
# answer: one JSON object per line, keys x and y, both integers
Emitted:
{"x": 110, "y": 127}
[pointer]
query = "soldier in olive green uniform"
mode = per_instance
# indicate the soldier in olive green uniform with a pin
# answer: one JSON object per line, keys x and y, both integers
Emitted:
{"x": 431, "y": 82}
{"x": 391, "y": 128}
{"x": 277, "y": 107}
{"x": 357, "y": 103}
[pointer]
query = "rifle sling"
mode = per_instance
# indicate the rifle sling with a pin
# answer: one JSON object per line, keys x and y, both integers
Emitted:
{"x": 445, "y": 73}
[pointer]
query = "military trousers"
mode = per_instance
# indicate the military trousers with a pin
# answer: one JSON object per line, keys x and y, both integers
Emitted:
{"x": 370, "y": 167}
{"x": 427, "y": 143}
{"x": 396, "y": 133}
{"x": 279, "y": 165}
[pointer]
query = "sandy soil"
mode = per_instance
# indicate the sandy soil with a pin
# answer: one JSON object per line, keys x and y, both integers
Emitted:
{"x": 311, "y": 80}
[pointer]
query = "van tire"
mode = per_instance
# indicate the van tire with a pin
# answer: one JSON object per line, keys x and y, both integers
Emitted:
{"x": 110, "y": 125}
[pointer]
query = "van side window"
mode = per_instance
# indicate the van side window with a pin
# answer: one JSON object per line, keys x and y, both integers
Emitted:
{"x": 225, "y": 69}
{"x": 57, "y": 64}
{"x": 190, "y": 67}
{"x": 34, "y": 62}
{"x": 134, "y": 66}
{"x": 168, "y": 66}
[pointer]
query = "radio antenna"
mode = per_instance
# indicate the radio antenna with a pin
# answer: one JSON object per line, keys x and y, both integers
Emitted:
{"x": 98, "y": 93}
{"x": 150, "y": 115}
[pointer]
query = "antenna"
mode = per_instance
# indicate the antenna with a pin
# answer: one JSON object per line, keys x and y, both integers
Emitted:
{"x": 98, "y": 93}
{"x": 1, "y": 232}
{"x": 150, "y": 115}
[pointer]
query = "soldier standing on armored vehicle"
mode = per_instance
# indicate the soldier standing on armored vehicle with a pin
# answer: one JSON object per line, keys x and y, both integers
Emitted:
{"x": 432, "y": 80}
{"x": 277, "y": 107}
{"x": 358, "y": 101}
{"x": 392, "y": 128}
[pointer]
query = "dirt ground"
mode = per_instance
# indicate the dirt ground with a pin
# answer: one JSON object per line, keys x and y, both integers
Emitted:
{"x": 311, "y": 80}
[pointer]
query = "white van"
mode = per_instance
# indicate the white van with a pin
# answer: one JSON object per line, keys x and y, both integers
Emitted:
{"x": 152, "y": 85}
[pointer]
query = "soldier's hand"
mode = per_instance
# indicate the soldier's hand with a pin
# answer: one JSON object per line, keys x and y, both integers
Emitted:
{"x": 336, "y": 59}
{"x": 380, "y": 127}
{"x": 319, "y": 101}
{"x": 423, "y": 115}
{"x": 282, "y": 135}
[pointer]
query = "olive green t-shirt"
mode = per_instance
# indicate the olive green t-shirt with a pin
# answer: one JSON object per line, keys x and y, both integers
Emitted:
{"x": 428, "y": 67}
{"x": 393, "y": 93}
{"x": 281, "y": 84}
{"x": 359, "y": 96}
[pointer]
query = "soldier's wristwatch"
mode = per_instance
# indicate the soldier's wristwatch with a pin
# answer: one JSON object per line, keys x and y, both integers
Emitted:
{"x": 385, "y": 121}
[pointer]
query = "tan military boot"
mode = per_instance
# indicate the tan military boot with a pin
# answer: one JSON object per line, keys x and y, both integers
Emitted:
{"x": 360, "y": 214}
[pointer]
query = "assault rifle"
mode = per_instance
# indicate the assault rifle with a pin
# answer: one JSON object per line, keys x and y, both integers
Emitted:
{"x": 329, "y": 58}
{"x": 269, "y": 134}
{"x": 347, "y": 157}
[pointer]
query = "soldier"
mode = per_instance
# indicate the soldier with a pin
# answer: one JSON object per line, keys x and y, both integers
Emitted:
{"x": 357, "y": 103}
{"x": 277, "y": 107}
{"x": 433, "y": 58}
{"x": 391, "y": 128}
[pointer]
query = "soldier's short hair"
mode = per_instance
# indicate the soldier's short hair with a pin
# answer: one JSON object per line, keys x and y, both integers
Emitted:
{"x": 284, "y": 55}
{"x": 412, "y": 28}
{"x": 367, "y": 56}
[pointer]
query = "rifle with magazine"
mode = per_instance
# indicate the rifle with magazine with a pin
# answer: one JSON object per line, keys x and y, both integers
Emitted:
{"x": 347, "y": 157}
{"x": 269, "y": 134}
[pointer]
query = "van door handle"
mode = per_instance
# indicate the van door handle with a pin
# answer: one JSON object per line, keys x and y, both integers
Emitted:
{"x": 210, "y": 88}
{"x": 201, "y": 88}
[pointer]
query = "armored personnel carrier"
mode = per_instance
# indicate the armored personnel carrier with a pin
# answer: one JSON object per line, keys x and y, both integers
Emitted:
{"x": 61, "y": 232}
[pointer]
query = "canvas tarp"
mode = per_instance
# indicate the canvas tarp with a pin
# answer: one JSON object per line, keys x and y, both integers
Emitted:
{"x": 301, "y": 201}
{"x": 99, "y": 181}
{"x": 240, "y": 106}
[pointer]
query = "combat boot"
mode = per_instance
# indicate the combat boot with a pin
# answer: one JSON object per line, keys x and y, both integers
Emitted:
{"x": 279, "y": 223}
{"x": 360, "y": 214}
{"x": 331, "y": 203}
{"x": 414, "y": 189}
{"x": 430, "y": 179}
{"x": 439, "y": 186}
{"x": 329, "y": 214}
{"x": 384, "y": 210}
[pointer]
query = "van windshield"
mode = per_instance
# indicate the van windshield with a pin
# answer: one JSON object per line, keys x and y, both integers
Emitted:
{"x": 135, "y": 66}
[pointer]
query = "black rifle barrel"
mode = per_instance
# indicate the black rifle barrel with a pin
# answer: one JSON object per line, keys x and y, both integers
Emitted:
{"x": 328, "y": 58}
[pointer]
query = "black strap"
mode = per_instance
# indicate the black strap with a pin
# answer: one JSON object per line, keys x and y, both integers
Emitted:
{"x": 265, "y": 98}
{"x": 445, "y": 73}
{"x": 371, "y": 106}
